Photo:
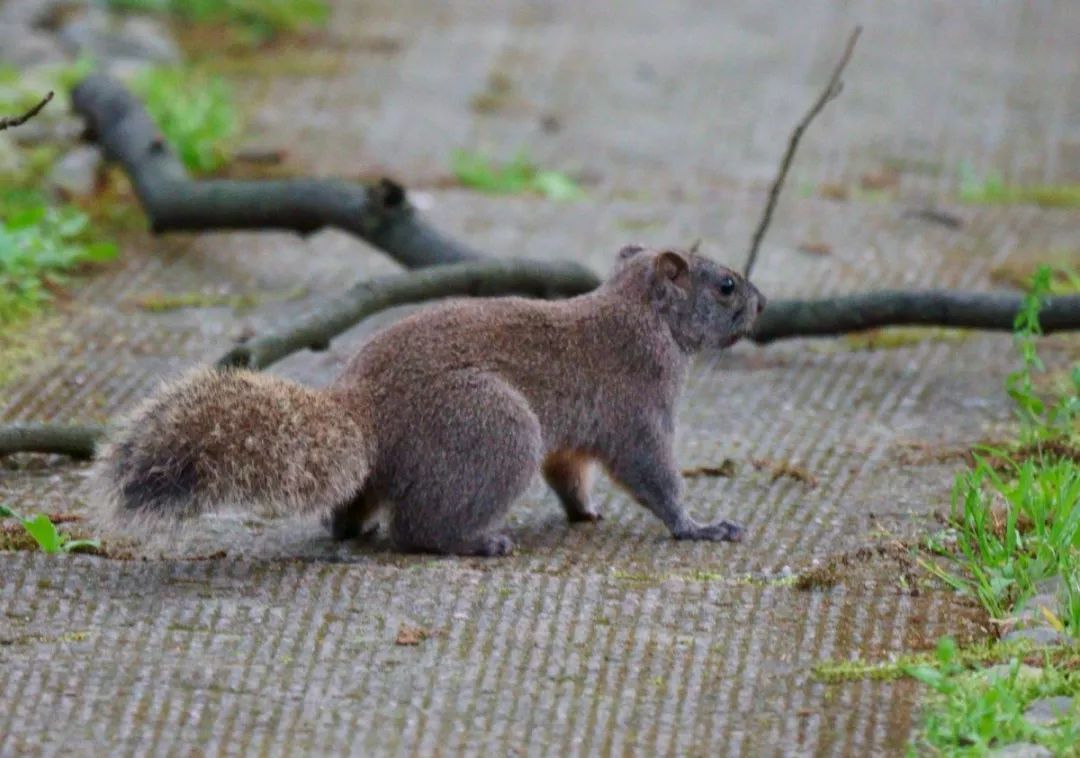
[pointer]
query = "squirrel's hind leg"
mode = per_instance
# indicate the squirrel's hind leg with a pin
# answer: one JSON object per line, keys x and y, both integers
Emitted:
{"x": 450, "y": 491}
{"x": 355, "y": 518}
{"x": 570, "y": 474}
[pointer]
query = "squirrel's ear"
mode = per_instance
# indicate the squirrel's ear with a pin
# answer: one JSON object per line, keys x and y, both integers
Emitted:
{"x": 627, "y": 252}
{"x": 674, "y": 268}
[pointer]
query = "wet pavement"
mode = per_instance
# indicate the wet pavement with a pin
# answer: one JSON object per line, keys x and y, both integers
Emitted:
{"x": 250, "y": 636}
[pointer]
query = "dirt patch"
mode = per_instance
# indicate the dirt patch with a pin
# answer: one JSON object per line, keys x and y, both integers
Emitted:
{"x": 838, "y": 568}
{"x": 785, "y": 469}
{"x": 902, "y": 336}
{"x": 1019, "y": 272}
{"x": 998, "y": 455}
{"x": 409, "y": 636}
{"x": 726, "y": 468}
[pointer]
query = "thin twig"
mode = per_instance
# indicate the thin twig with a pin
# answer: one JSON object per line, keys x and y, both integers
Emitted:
{"x": 10, "y": 121}
{"x": 831, "y": 91}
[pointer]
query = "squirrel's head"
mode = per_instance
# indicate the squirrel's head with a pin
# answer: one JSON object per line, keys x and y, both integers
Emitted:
{"x": 705, "y": 305}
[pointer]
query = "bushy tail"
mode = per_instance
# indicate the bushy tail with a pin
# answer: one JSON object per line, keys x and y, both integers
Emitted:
{"x": 232, "y": 438}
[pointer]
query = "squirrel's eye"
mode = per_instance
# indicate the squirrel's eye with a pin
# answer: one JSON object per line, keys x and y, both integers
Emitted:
{"x": 727, "y": 286}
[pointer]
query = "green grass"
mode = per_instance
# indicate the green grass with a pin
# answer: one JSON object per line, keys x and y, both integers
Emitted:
{"x": 971, "y": 710}
{"x": 992, "y": 190}
{"x": 261, "y": 19}
{"x": 1064, "y": 272}
{"x": 971, "y": 713}
{"x": 44, "y": 532}
{"x": 1040, "y": 418}
{"x": 1016, "y": 521}
{"x": 1015, "y": 529}
{"x": 518, "y": 176}
{"x": 40, "y": 245}
{"x": 971, "y": 657}
{"x": 195, "y": 111}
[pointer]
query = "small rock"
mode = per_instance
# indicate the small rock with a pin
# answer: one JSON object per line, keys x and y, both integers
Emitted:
{"x": 1004, "y": 671}
{"x": 106, "y": 37}
{"x": 1031, "y": 613}
{"x": 1043, "y": 599}
{"x": 23, "y": 47}
{"x": 75, "y": 175}
{"x": 153, "y": 37}
{"x": 1052, "y": 586}
{"x": 12, "y": 161}
{"x": 127, "y": 70}
{"x": 1040, "y": 635}
{"x": 1022, "y": 750}
{"x": 32, "y": 13}
{"x": 1048, "y": 710}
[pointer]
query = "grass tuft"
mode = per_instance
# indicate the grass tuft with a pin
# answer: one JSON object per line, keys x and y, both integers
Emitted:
{"x": 519, "y": 176}
{"x": 44, "y": 534}
{"x": 992, "y": 190}
{"x": 196, "y": 113}
{"x": 1016, "y": 523}
{"x": 40, "y": 246}
{"x": 260, "y": 20}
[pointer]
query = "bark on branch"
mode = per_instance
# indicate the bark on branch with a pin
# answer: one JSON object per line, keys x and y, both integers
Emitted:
{"x": 382, "y": 216}
{"x": 8, "y": 122}
{"x": 75, "y": 441}
{"x": 487, "y": 278}
{"x": 783, "y": 319}
{"x": 379, "y": 214}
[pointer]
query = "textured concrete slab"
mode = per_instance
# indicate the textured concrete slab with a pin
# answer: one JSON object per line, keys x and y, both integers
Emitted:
{"x": 264, "y": 637}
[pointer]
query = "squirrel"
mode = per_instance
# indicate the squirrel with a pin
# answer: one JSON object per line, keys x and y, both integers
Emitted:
{"x": 443, "y": 418}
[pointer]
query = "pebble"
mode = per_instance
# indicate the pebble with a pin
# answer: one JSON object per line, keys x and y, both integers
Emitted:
{"x": 22, "y": 47}
{"x": 107, "y": 37}
{"x": 75, "y": 174}
{"x": 1040, "y": 635}
{"x": 1048, "y": 710}
{"x": 1004, "y": 670}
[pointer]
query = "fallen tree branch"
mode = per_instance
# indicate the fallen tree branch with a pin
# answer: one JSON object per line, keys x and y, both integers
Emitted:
{"x": 382, "y": 216}
{"x": 379, "y": 214}
{"x": 831, "y": 91}
{"x": 75, "y": 441}
{"x": 487, "y": 278}
{"x": 11, "y": 121}
{"x": 784, "y": 319}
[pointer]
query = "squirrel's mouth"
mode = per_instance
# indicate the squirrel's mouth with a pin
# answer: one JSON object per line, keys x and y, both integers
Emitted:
{"x": 744, "y": 330}
{"x": 748, "y": 318}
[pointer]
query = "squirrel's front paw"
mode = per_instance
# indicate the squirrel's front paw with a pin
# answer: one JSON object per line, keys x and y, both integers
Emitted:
{"x": 718, "y": 531}
{"x": 587, "y": 516}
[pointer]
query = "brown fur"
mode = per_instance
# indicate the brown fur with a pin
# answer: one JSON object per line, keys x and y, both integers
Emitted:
{"x": 444, "y": 417}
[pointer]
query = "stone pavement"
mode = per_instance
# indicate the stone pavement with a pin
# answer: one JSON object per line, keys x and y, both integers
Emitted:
{"x": 264, "y": 637}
